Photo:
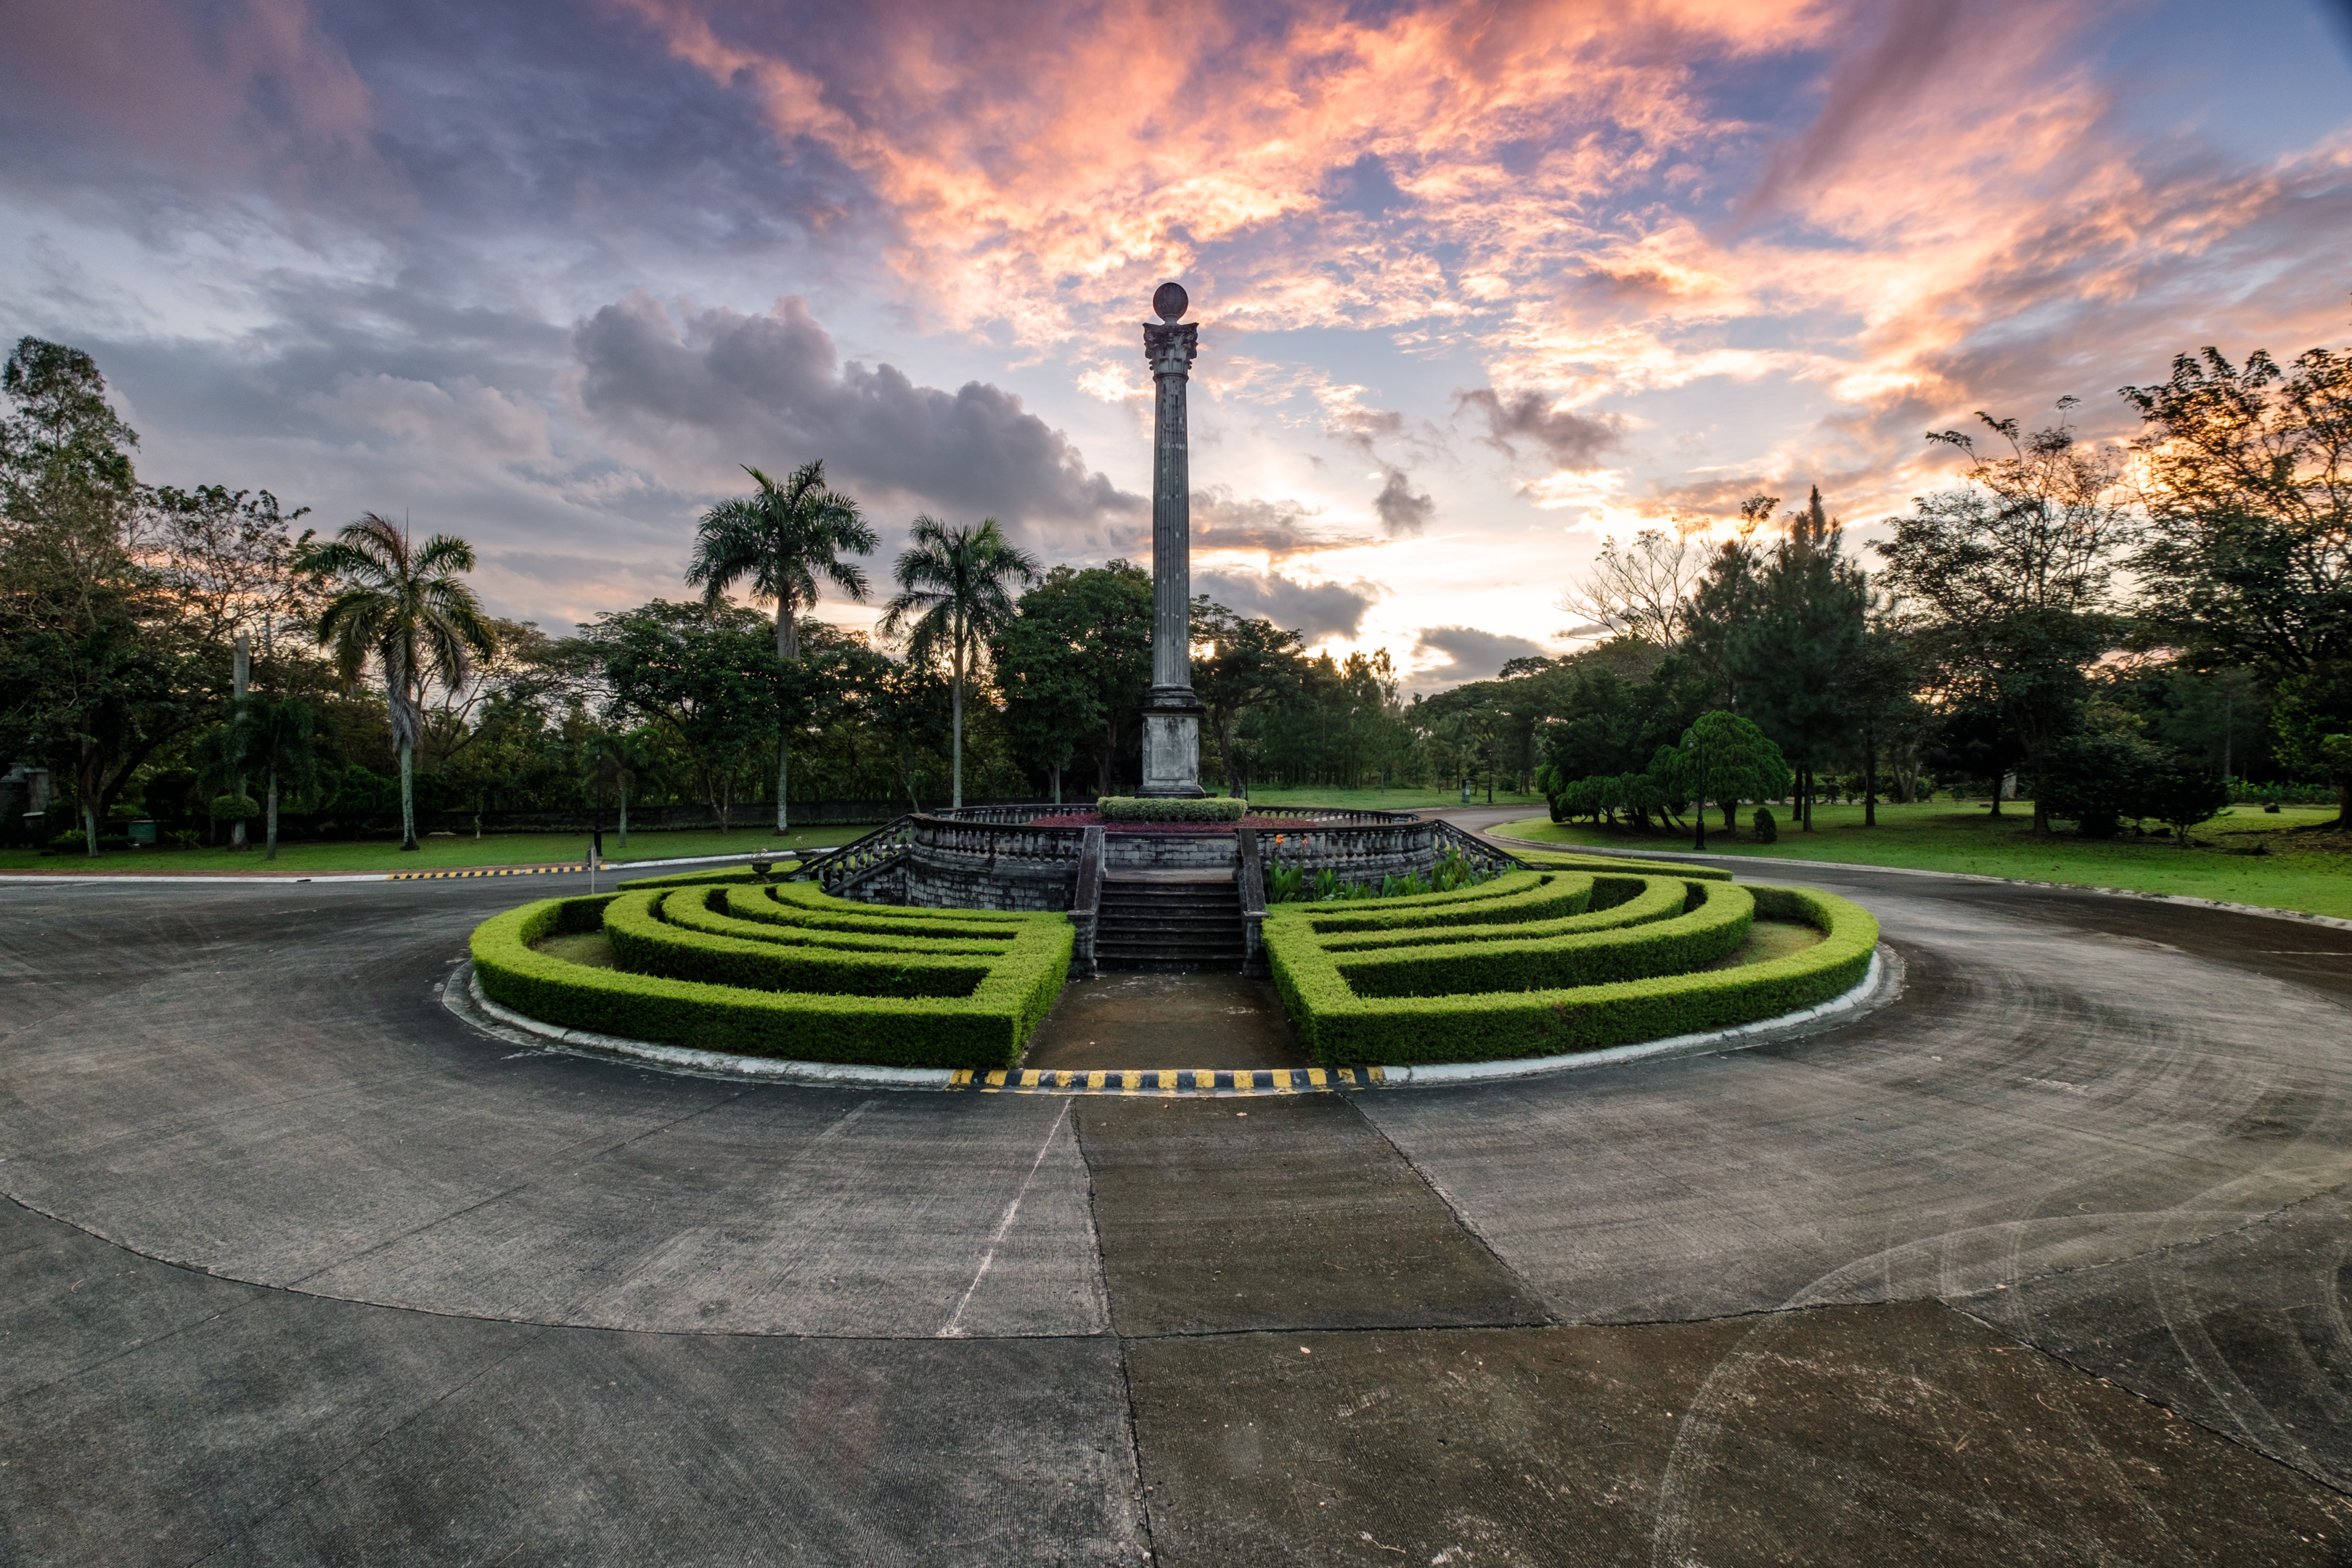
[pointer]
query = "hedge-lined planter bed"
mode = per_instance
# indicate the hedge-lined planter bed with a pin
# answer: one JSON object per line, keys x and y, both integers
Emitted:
{"x": 1568, "y": 861}
{"x": 1567, "y": 992}
{"x": 1123, "y": 808}
{"x": 766, "y": 995}
{"x": 1654, "y": 899}
{"x": 1513, "y": 895}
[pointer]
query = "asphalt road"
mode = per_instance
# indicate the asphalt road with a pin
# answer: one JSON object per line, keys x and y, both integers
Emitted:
{"x": 2040, "y": 1264}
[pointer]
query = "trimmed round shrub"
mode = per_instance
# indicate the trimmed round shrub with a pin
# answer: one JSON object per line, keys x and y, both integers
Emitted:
{"x": 1151, "y": 808}
{"x": 1768, "y": 830}
{"x": 234, "y": 808}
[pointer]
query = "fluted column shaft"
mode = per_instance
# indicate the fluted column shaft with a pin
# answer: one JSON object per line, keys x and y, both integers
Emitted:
{"x": 1172, "y": 349}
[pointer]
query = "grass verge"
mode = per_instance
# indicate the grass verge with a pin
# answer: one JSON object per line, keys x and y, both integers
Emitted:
{"x": 435, "y": 854}
{"x": 2243, "y": 858}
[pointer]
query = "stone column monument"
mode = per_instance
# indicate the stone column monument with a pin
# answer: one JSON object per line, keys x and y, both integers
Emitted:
{"x": 1171, "y": 717}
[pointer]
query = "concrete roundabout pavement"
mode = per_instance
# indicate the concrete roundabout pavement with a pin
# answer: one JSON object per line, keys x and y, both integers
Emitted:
{"x": 2040, "y": 1264}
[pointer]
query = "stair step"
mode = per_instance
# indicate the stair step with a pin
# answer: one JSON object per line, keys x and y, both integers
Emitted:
{"x": 1169, "y": 925}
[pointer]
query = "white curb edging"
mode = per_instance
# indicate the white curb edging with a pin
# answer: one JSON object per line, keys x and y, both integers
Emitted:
{"x": 462, "y": 983}
{"x": 1882, "y": 983}
{"x": 462, "y": 994}
{"x": 623, "y": 869}
{"x": 2185, "y": 900}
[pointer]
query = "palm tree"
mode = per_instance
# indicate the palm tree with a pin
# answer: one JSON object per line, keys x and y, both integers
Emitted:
{"x": 781, "y": 538}
{"x": 409, "y": 611}
{"x": 276, "y": 737}
{"x": 952, "y": 597}
{"x": 618, "y": 760}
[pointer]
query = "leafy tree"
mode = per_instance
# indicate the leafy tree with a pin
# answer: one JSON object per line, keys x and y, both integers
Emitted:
{"x": 703, "y": 673}
{"x": 2098, "y": 780}
{"x": 615, "y": 761}
{"x": 1723, "y": 603}
{"x": 412, "y": 613}
{"x": 2011, "y": 578}
{"x": 1612, "y": 718}
{"x": 1726, "y": 759}
{"x": 954, "y": 594}
{"x": 2314, "y": 716}
{"x": 226, "y": 559}
{"x": 1642, "y": 590}
{"x": 1792, "y": 657}
{"x": 95, "y": 671}
{"x": 2247, "y": 480}
{"x": 276, "y": 738}
{"x": 1250, "y": 662}
{"x": 1079, "y": 651}
{"x": 781, "y": 539}
{"x": 1881, "y": 679}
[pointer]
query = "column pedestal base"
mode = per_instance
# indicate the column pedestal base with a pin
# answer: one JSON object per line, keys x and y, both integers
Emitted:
{"x": 1171, "y": 753}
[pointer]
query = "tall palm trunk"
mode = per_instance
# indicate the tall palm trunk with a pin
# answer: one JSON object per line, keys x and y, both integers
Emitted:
{"x": 788, "y": 647}
{"x": 407, "y": 799}
{"x": 955, "y": 745}
{"x": 624, "y": 814}
{"x": 270, "y": 831}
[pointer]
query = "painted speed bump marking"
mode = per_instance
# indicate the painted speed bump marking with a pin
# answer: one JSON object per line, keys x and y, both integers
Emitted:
{"x": 1245, "y": 1081}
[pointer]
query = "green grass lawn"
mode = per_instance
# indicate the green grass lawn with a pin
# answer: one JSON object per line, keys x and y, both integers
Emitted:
{"x": 437, "y": 854}
{"x": 1385, "y": 799}
{"x": 2307, "y": 871}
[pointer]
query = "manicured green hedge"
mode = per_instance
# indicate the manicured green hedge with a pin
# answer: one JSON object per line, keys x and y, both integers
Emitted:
{"x": 1654, "y": 899}
{"x": 723, "y": 874}
{"x": 982, "y": 1030}
{"x": 1513, "y": 1020}
{"x": 644, "y": 941}
{"x": 1526, "y": 895}
{"x": 804, "y": 906}
{"x": 712, "y": 910}
{"x": 1604, "y": 863}
{"x": 1152, "y": 808}
{"x": 1448, "y": 968}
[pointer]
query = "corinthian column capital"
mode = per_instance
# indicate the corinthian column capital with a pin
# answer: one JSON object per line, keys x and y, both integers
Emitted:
{"x": 1172, "y": 349}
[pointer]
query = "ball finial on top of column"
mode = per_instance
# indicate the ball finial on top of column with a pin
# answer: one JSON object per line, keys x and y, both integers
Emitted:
{"x": 1170, "y": 301}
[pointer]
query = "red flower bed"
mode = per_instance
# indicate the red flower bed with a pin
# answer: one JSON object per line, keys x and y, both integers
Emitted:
{"x": 1089, "y": 819}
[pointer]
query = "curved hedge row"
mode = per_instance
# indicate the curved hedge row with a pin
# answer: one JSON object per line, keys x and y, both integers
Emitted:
{"x": 1468, "y": 994}
{"x": 785, "y": 971}
{"x": 1645, "y": 899}
{"x": 1598, "y": 860}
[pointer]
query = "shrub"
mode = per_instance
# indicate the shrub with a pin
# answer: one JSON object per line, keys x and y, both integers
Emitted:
{"x": 1151, "y": 808}
{"x": 1513, "y": 1019}
{"x": 1446, "y": 966}
{"x": 723, "y": 875}
{"x": 2098, "y": 780}
{"x": 1606, "y": 863}
{"x": 646, "y": 940}
{"x": 234, "y": 808}
{"x": 983, "y": 1027}
{"x": 1767, "y": 831}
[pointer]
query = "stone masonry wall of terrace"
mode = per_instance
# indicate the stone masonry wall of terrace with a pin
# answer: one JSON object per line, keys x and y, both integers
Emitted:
{"x": 997, "y": 861}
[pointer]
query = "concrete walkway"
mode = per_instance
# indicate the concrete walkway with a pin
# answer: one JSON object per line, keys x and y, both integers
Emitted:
{"x": 2038, "y": 1265}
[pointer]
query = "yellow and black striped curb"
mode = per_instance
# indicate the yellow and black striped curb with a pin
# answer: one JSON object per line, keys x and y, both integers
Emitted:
{"x": 498, "y": 871}
{"x": 1167, "y": 1081}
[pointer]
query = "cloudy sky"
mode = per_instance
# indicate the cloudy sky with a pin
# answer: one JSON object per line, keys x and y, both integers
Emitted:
{"x": 1478, "y": 284}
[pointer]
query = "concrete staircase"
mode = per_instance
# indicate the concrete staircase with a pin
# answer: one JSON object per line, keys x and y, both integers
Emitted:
{"x": 1167, "y": 923}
